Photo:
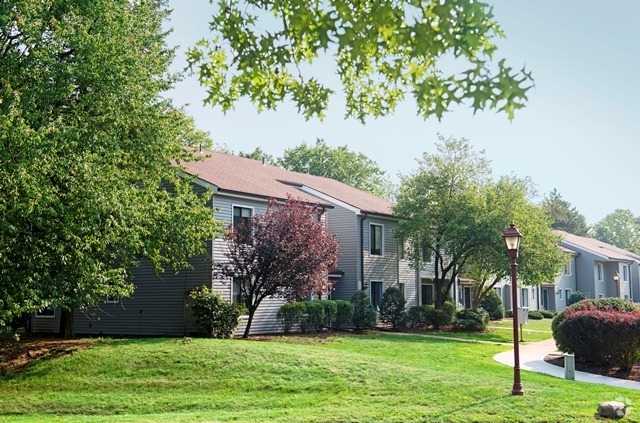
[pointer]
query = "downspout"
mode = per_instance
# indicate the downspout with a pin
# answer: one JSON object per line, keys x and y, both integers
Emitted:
{"x": 362, "y": 219}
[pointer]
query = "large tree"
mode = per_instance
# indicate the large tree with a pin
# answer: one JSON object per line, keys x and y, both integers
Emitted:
{"x": 564, "y": 217}
{"x": 339, "y": 163}
{"x": 442, "y": 210}
{"x": 383, "y": 52}
{"x": 285, "y": 252}
{"x": 452, "y": 209}
{"x": 620, "y": 228}
{"x": 90, "y": 154}
{"x": 540, "y": 258}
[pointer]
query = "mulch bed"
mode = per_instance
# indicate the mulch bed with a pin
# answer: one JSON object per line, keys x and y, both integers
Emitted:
{"x": 16, "y": 355}
{"x": 634, "y": 374}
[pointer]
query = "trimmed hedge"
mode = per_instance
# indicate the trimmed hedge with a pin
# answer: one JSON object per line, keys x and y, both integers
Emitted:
{"x": 417, "y": 315}
{"x": 441, "y": 317}
{"x": 547, "y": 314}
{"x": 471, "y": 320}
{"x": 289, "y": 316}
{"x": 330, "y": 311}
{"x": 602, "y": 336}
{"x": 576, "y": 297}
{"x": 618, "y": 304}
{"x": 313, "y": 317}
{"x": 535, "y": 315}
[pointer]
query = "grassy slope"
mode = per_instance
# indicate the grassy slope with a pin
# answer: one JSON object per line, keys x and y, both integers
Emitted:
{"x": 367, "y": 378}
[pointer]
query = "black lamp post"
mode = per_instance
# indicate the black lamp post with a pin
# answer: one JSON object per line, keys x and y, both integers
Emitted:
{"x": 616, "y": 279}
{"x": 512, "y": 238}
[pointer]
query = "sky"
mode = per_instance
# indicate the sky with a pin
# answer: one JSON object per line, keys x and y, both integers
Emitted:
{"x": 576, "y": 134}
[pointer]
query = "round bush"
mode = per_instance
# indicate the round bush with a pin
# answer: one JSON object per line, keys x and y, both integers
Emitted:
{"x": 576, "y": 297}
{"x": 330, "y": 310}
{"x": 535, "y": 315}
{"x": 417, "y": 315}
{"x": 508, "y": 313}
{"x": 216, "y": 317}
{"x": 364, "y": 315}
{"x": 547, "y": 314}
{"x": 313, "y": 317}
{"x": 441, "y": 317}
{"x": 493, "y": 304}
{"x": 289, "y": 316}
{"x": 471, "y": 320}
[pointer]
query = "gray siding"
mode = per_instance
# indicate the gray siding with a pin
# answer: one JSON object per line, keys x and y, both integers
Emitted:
{"x": 344, "y": 224}
{"x": 382, "y": 268}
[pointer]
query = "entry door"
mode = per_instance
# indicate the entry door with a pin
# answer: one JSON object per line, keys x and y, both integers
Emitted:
{"x": 426, "y": 293}
{"x": 545, "y": 298}
{"x": 467, "y": 297}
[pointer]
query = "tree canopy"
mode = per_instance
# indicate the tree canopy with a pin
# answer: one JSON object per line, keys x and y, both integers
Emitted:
{"x": 90, "y": 154}
{"x": 452, "y": 208}
{"x": 564, "y": 217}
{"x": 620, "y": 228}
{"x": 286, "y": 252}
{"x": 339, "y": 163}
{"x": 383, "y": 52}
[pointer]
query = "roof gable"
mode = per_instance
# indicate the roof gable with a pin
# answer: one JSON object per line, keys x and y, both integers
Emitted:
{"x": 240, "y": 175}
{"x": 595, "y": 246}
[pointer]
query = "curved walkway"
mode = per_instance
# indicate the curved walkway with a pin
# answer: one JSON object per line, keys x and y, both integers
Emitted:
{"x": 532, "y": 359}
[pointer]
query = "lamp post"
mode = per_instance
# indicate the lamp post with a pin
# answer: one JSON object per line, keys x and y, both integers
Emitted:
{"x": 512, "y": 238}
{"x": 616, "y": 279}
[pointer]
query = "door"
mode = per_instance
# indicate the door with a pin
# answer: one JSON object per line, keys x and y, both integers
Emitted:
{"x": 545, "y": 299}
{"x": 467, "y": 297}
{"x": 426, "y": 293}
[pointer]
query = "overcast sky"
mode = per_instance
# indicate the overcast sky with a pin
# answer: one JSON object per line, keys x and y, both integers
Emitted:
{"x": 576, "y": 133}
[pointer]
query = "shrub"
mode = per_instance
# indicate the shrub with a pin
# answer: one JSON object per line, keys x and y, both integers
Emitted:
{"x": 364, "y": 315}
{"x": 547, "y": 314}
{"x": 602, "y": 336}
{"x": 493, "y": 304}
{"x": 591, "y": 304}
{"x": 417, "y": 315}
{"x": 576, "y": 297}
{"x": 344, "y": 313}
{"x": 535, "y": 315}
{"x": 330, "y": 310}
{"x": 392, "y": 308}
{"x": 289, "y": 316}
{"x": 471, "y": 320}
{"x": 508, "y": 313}
{"x": 216, "y": 317}
{"x": 441, "y": 317}
{"x": 313, "y": 317}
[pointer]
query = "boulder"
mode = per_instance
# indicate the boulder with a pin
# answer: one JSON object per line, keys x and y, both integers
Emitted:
{"x": 612, "y": 409}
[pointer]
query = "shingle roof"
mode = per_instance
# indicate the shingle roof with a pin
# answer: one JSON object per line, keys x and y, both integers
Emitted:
{"x": 598, "y": 247}
{"x": 241, "y": 175}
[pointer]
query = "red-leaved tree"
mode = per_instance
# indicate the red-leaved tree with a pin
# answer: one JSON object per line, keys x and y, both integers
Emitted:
{"x": 286, "y": 252}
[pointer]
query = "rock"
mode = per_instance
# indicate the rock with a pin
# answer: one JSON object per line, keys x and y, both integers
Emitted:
{"x": 612, "y": 409}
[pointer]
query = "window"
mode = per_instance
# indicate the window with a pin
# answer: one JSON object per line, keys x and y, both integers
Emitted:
{"x": 599, "y": 272}
{"x": 498, "y": 291}
{"x": 567, "y": 269}
{"x": 426, "y": 294}
{"x": 376, "y": 294}
{"x": 402, "y": 290}
{"x": 625, "y": 273}
{"x": 375, "y": 239}
{"x": 600, "y": 295}
{"x": 48, "y": 312}
{"x": 559, "y": 294}
{"x": 242, "y": 222}
{"x": 567, "y": 294}
{"x": 524, "y": 300}
{"x": 238, "y": 296}
{"x": 111, "y": 300}
{"x": 626, "y": 297}
{"x": 402, "y": 249}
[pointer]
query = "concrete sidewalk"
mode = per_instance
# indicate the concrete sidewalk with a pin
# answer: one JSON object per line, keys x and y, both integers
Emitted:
{"x": 532, "y": 359}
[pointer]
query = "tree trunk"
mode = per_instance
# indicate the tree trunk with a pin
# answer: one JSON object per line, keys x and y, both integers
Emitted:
{"x": 252, "y": 312}
{"x": 67, "y": 330}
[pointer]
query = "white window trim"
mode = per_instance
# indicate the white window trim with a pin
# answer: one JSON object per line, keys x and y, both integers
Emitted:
{"x": 599, "y": 272}
{"x": 381, "y": 240}
{"x": 567, "y": 293}
{"x": 371, "y": 282}
{"x": 560, "y": 293}
{"x": 567, "y": 269}
{"x": 244, "y": 206}
{"x": 625, "y": 273}
{"x": 112, "y": 300}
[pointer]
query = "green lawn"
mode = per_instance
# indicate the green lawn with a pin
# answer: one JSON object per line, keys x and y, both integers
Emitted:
{"x": 502, "y": 331}
{"x": 378, "y": 377}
